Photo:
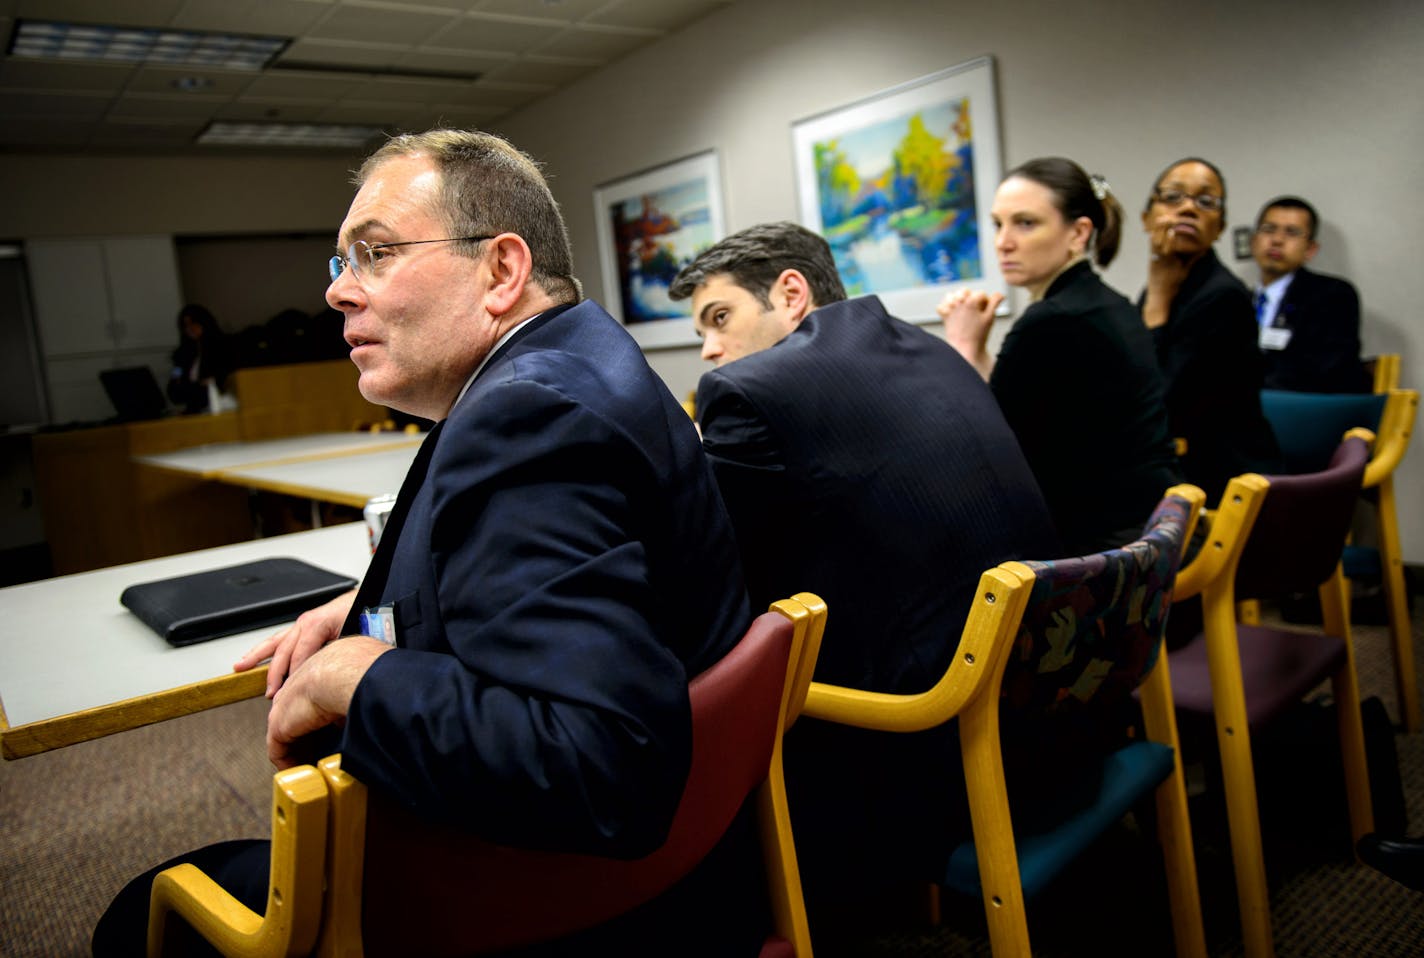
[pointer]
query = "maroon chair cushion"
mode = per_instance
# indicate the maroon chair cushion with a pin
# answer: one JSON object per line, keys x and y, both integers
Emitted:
{"x": 1293, "y": 546}
{"x": 1278, "y": 667}
{"x": 474, "y": 897}
{"x": 1300, "y": 532}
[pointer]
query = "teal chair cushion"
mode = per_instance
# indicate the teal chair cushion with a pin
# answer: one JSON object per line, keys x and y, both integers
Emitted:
{"x": 1128, "y": 775}
{"x": 1309, "y": 426}
{"x": 1090, "y": 634}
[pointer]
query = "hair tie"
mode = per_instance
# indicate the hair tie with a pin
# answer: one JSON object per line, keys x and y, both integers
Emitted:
{"x": 1100, "y": 186}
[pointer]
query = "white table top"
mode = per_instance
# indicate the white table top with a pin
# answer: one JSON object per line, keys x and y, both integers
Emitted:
{"x": 212, "y": 460}
{"x": 349, "y": 480}
{"x": 67, "y": 645}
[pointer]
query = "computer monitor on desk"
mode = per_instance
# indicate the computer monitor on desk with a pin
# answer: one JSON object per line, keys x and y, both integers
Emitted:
{"x": 134, "y": 392}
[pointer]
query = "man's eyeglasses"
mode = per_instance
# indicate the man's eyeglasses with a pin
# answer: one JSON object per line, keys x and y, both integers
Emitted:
{"x": 1206, "y": 202}
{"x": 1290, "y": 232}
{"x": 367, "y": 259}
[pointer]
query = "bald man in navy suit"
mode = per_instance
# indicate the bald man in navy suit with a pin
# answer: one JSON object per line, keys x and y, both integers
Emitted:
{"x": 1310, "y": 322}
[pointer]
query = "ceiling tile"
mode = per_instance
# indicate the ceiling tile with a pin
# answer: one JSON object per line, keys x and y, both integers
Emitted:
{"x": 302, "y": 84}
{"x": 68, "y": 105}
{"x": 453, "y": 61}
{"x": 149, "y": 13}
{"x": 370, "y": 113}
{"x": 655, "y": 14}
{"x": 567, "y": 11}
{"x": 381, "y": 25}
{"x": 155, "y": 79}
{"x": 151, "y": 106}
{"x": 485, "y": 33}
{"x": 55, "y": 76}
{"x": 43, "y": 131}
{"x": 147, "y": 132}
{"x": 459, "y": 117}
{"x": 601, "y": 46}
{"x": 282, "y": 18}
{"x": 401, "y": 90}
{"x": 277, "y": 110}
{"x": 504, "y": 96}
{"x": 344, "y": 53}
{"x": 521, "y": 51}
{"x": 550, "y": 73}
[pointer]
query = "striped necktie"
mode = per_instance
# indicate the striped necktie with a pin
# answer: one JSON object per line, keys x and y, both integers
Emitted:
{"x": 1261, "y": 317}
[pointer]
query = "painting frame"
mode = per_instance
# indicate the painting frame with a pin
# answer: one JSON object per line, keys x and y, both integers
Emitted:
{"x": 908, "y": 253}
{"x": 640, "y": 302}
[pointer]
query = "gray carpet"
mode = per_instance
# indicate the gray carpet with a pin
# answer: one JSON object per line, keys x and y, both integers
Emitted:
{"x": 77, "y": 823}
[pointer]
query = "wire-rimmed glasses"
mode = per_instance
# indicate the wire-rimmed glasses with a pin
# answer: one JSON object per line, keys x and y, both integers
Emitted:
{"x": 1206, "y": 202}
{"x": 367, "y": 259}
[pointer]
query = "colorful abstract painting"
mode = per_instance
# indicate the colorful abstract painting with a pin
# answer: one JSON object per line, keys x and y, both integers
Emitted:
{"x": 900, "y": 185}
{"x": 651, "y": 225}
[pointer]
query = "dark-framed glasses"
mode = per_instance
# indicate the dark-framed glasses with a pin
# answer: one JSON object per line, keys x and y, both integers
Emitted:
{"x": 1206, "y": 202}
{"x": 1290, "y": 232}
{"x": 367, "y": 259}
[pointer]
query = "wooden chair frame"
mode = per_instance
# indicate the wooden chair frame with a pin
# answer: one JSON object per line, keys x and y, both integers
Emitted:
{"x": 1212, "y": 575}
{"x": 319, "y": 828}
{"x": 969, "y": 692}
{"x": 1391, "y": 443}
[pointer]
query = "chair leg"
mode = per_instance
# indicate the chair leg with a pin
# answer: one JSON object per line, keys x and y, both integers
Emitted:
{"x": 1238, "y": 775}
{"x": 1174, "y": 829}
{"x": 1401, "y": 637}
{"x": 1345, "y": 685}
{"x": 993, "y": 831}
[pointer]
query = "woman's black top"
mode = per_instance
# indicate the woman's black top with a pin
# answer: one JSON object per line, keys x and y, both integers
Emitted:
{"x": 1077, "y": 380}
{"x": 1209, "y": 355}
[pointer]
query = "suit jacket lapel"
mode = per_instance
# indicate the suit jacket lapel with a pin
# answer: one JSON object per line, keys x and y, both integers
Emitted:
{"x": 374, "y": 582}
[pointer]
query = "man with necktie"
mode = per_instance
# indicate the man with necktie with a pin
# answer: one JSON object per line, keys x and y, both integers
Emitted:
{"x": 1310, "y": 322}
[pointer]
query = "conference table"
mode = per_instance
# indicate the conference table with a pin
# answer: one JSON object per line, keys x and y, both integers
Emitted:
{"x": 76, "y": 665}
{"x": 346, "y": 468}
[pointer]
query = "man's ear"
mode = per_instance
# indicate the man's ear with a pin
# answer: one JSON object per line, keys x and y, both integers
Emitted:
{"x": 509, "y": 262}
{"x": 792, "y": 288}
{"x": 1311, "y": 249}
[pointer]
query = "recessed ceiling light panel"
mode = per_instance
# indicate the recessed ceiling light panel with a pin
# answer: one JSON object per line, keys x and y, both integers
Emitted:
{"x": 100, "y": 43}
{"x": 329, "y": 136}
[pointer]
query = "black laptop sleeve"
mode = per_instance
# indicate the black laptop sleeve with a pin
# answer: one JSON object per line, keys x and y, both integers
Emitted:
{"x": 207, "y": 605}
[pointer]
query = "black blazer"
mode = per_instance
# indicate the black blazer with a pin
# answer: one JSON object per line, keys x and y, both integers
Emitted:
{"x": 1323, "y": 355}
{"x": 1210, "y": 358}
{"x": 863, "y": 459}
{"x": 1078, "y": 381}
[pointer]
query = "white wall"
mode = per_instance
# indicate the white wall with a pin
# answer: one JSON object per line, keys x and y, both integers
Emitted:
{"x": 1316, "y": 98}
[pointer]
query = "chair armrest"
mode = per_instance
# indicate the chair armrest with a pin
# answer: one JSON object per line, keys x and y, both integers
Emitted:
{"x": 1395, "y": 426}
{"x": 1225, "y": 538}
{"x": 294, "y": 896}
{"x": 977, "y": 664}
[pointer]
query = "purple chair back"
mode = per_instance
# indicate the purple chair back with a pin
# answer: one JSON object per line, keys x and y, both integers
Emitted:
{"x": 1300, "y": 532}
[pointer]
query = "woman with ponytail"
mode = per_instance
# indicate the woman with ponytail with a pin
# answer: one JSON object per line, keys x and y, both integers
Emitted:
{"x": 1076, "y": 377}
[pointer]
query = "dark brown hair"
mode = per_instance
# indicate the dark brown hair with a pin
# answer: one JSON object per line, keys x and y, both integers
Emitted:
{"x": 1076, "y": 194}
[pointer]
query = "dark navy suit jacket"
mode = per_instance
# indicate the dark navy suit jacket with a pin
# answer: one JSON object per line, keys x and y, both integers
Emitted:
{"x": 864, "y": 460}
{"x": 1323, "y": 355}
{"x": 566, "y": 566}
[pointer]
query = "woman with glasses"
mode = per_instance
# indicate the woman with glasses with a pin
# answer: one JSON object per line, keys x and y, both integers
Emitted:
{"x": 1204, "y": 330}
{"x": 1076, "y": 377}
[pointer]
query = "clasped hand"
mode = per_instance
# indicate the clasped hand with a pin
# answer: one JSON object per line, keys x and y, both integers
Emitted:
{"x": 967, "y": 315}
{"x": 311, "y": 678}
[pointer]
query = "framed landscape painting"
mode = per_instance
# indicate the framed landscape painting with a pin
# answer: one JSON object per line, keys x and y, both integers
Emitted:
{"x": 651, "y": 225}
{"x": 900, "y": 185}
